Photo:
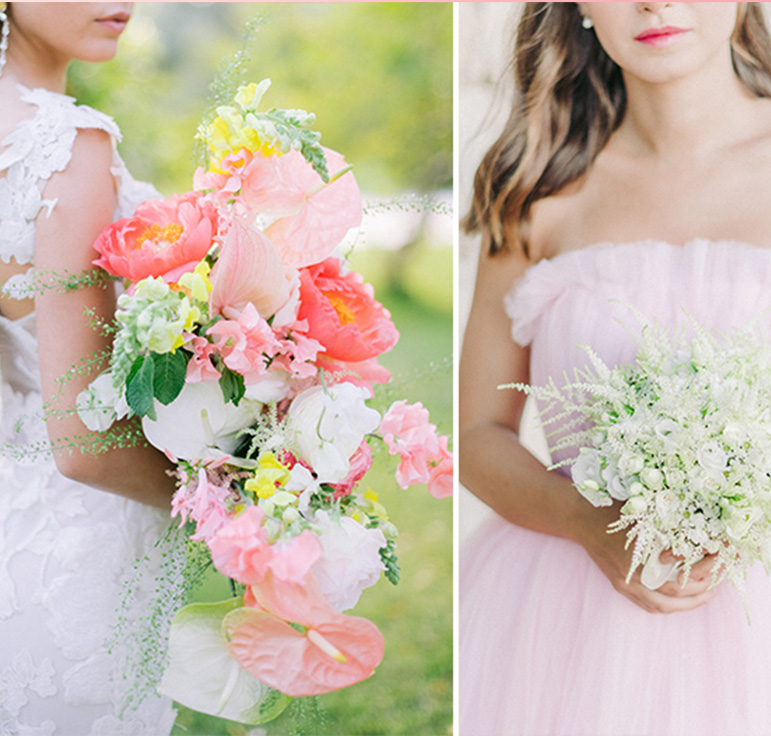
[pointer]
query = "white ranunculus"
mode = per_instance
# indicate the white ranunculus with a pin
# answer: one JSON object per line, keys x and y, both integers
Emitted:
{"x": 328, "y": 425}
{"x": 350, "y": 561}
{"x": 738, "y": 521}
{"x": 198, "y": 423}
{"x": 712, "y": 457}
{"x": 666, "y": 506}
{"x": 100, "y": 404}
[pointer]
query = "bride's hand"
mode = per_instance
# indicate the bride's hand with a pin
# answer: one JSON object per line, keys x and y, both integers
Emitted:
{"x": 609, "y": 554}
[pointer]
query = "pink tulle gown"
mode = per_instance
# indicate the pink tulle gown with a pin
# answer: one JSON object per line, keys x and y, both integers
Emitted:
{"x": 547, "y": 646}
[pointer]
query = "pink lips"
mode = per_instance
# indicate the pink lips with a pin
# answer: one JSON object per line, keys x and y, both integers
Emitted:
{"x": 115, "y": 22}
{"x": 661, "y": 36}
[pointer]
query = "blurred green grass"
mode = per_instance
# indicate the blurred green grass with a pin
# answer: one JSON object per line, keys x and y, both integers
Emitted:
{"x": 411, "y": 691}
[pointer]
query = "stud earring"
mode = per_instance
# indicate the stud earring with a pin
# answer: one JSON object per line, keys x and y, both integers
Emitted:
{"x": 4, "y": 37}
{"x": 587, "y": 22}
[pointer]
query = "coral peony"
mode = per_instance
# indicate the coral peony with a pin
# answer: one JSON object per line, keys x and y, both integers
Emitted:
{"x": 342, "y": 313}
{"x": 164, "y": 237}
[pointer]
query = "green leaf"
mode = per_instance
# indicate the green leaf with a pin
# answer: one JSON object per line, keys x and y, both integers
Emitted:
{"x": 139, "y": 387}
{"x": 232, "y": 385}
{"x": 169, "y": 371}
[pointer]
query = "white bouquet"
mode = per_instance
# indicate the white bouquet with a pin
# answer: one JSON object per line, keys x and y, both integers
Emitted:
{"x": 682, "y": 436}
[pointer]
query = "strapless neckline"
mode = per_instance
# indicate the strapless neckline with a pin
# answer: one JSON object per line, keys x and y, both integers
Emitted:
{"x": 651, "y": 243}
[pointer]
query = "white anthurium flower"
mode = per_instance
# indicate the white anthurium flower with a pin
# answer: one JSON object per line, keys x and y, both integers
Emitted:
{"x": 328, "y": 425}
{"x": 198, "y": 424}
{"x": 350, "y": 561}
{"x": 101, "y": 404}
{"x": 203, "y": 676}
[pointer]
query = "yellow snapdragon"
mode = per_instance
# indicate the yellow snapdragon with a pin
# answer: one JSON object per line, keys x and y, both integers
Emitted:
{"x": 269, "y": 473}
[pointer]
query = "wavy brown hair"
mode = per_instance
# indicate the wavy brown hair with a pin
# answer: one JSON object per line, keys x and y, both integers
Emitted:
{"x": 570, "y": 97}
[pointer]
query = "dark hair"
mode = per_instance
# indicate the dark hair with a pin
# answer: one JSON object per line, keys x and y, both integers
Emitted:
{"x": 570, "y": 97}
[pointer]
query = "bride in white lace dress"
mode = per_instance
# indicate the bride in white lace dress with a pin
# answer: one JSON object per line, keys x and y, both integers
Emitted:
{"x": 70, "y": 525}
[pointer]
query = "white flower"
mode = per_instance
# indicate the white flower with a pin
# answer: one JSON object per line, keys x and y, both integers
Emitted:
{"x": 739, "y": 520}
{"x": 100, "y": 404}
{"x": 198, "y": 424}
{"x": 666, "y": 506}
{"x": 587, "y": 475}
{"x": 712, "y": 457}
{"x": 653, "y": 478}
{"x": 350, "y": 561}
{"x": 328, "y": 425}
{"x": 301, "y": 479}
{"x": 614, "y": 482}
{"x": 275, "y": 386}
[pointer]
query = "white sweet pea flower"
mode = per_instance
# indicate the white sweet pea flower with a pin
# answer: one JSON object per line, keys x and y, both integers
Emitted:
{"x": 275, "y": 386}
{"x": 350, "y": 561}
{"x": 328, "y": 425}
{"x": 101, "y": 404}
{"x": 301, "y": 479}
{"x": 199, "y": 424}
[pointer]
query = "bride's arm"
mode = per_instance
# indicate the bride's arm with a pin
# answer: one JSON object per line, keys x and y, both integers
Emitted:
{"x": 497, "y": 469}
{"x": 85, "y": 202}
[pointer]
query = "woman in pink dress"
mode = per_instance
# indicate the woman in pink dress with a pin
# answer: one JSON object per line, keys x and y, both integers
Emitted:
{"x": 635, "y": 169}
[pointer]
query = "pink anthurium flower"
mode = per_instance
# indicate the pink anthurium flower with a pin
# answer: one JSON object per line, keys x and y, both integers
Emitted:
{"x": 323, "y": 214}
{"x": 334, "y": 651}
{"x": 249, "y": 270}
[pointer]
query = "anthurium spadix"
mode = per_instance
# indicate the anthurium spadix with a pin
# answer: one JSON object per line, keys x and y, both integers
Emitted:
{"x": 202, "y": 675}
{"x": 198, "y": 424}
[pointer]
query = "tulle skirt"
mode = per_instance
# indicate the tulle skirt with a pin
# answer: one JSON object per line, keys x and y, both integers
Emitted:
{"x": 547, "y": 646}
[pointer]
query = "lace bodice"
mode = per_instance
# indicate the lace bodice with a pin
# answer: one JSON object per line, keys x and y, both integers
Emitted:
{"x": 39, "y": 147}
{"x": 65, "y": 549}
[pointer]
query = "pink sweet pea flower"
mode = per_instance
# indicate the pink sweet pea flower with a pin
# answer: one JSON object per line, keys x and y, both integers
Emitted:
{"x": 361, "y": 462}
{"x": 424, "y": 456}
{"x": 313, "y": 217}
{"x": 248, "y": 270}
{"x": 241, "y": 551}
{"x": 245, "y": 343}
{"x": 164, "y": 237}
{"x": 440, "y": 472}
{"x": 342, "y": 313}
{"x": 334, "y": 651}
{"x": 200, "y": 367}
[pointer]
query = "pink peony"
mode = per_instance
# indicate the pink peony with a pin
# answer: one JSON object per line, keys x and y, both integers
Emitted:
{"x": 164, "y": 237}
{"x": 342, "y": 313}
{"x": 332, "y": 652}
{"x": 241, "y": 551}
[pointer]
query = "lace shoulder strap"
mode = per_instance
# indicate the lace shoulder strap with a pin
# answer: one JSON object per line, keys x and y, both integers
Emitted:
{"x": 37, "y": 148}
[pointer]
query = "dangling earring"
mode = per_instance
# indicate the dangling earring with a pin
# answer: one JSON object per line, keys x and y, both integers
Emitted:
{"x": 587, "y": 22}
{"x": 4, "y": 38}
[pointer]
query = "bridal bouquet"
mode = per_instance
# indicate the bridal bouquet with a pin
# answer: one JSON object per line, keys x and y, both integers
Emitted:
{"x": 683, "y": 437}
{"x": 248, "y": 348}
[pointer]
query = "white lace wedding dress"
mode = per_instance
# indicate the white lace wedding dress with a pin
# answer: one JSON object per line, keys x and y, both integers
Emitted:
{"x": 65, "y": 549}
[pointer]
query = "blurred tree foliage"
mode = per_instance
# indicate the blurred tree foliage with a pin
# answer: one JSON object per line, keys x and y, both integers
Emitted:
{"x": 377, "y": 75}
